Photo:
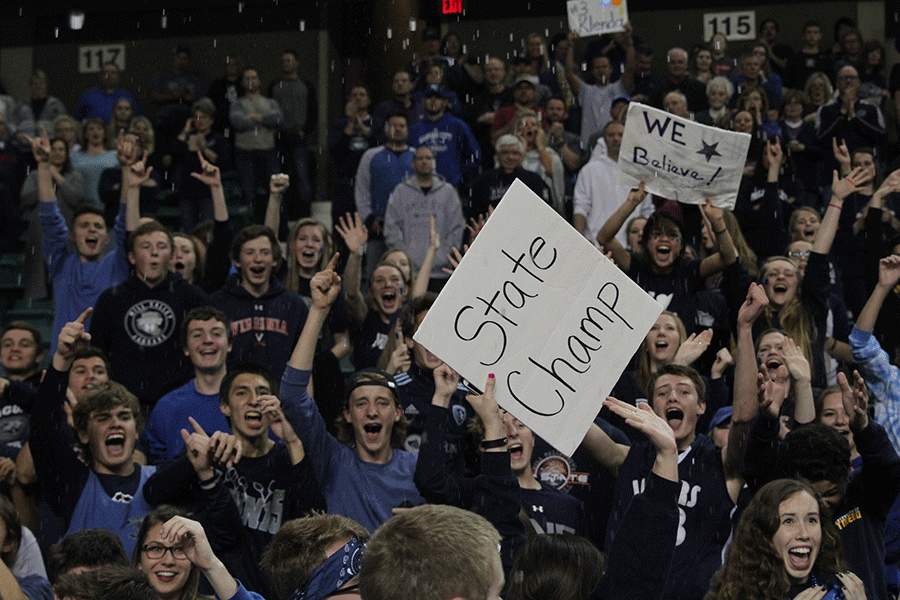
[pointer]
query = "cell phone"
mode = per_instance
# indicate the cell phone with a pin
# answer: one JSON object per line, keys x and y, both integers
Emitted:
{"x": 468, "y": 385}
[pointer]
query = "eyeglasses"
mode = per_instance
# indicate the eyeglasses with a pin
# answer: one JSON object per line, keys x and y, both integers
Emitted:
{"x": 157, "y": 551}
{"x": 796, "y": 254}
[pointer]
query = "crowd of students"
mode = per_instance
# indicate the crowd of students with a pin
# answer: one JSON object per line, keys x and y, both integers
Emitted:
{"x": 750, "y": 450}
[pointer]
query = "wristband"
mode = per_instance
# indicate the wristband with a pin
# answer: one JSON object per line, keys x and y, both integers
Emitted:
{"x": 498, "y": 443}
{"x": 719, "y": 232}
{"x": 837, "y": 206}
{"x": 206, "y": 484}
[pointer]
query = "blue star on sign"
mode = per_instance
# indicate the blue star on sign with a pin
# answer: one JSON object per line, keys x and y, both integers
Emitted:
{"x": 708, "y": 150}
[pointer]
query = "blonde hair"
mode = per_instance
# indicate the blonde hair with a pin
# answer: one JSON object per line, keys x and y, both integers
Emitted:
{"x": 793, "y": 317}
{"x": 150, "y": 144}
{"x": 431, "y": 551}
{"x": 645, "y": 368}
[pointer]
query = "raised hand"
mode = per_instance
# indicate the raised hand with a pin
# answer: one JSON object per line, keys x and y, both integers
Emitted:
{"x": 126, "y": 149}
{"x": 843, "y": 187}
{"x": 225, "y": 449}
{"x": 693, "y": 347}
{"x": 270, "y": 406}
{"x": 40, "y": 146}
{"x": 278, "y": 183}
{"x": 754, "y": 304}
{"x": 434, "y": 239}
{"x": 637, "y": 195}
{"x": 454, "y": 257}
{"x": 841, "y": 154}
{"x": 856, "y": 401}
{"x": 196, "y": 447}
{"x": 138, "y": 173}
{"x": 400, "y": 360}
{"x": 889, "y": 271}
{"x": 772, "y": 392}
{"x": 73, "y": 337}
{"x": 192, "y": 538}
{"x": 209, "y": 173}
{"x": 794, "y": 360}
{"x": 776, "y": 154}
{"x": 446, "y": 381}
{"x": 474, "y": 226}
{"x": 713, "y": 215}
{"x": 723, "y": 360}
{"x": 353, "y": 231}
{"x": 891, "y": 183}
{"x": 325, "y": 285}
{"x": 646, "y": 421}
{"x": 487, "y": 409}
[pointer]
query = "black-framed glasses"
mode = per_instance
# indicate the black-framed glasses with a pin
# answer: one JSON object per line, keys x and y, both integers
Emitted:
{"x": 158, "y": 551}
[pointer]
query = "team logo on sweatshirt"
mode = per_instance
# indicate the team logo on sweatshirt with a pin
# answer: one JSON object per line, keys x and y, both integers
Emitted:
{"x": 558, "y": 471}
{"x": 149, "y": 323}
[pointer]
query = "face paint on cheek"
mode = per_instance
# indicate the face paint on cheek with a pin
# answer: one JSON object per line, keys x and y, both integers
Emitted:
{"x": 400, "y": 289}
{"x": 766, "y": 282}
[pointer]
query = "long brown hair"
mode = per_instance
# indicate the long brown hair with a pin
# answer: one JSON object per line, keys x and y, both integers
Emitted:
{"x": 292, "y": 279}
{"x": 159, "y": 515}
{"x": 753, "y": 568}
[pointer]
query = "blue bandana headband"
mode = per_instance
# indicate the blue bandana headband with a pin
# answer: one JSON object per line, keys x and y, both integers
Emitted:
{"x": 337, "y": 570}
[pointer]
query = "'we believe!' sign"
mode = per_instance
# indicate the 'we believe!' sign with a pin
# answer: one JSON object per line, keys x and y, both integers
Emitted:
{"x": 679, "y": 159}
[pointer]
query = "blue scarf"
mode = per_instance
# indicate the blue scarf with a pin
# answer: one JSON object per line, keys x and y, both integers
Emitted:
{"x": 337, "y": 570}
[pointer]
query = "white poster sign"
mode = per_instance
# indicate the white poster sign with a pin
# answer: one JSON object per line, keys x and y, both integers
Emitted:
{"x": 595, "y": 17}
{"x": 679, "y": 159}
{"x": 540, "y": 307}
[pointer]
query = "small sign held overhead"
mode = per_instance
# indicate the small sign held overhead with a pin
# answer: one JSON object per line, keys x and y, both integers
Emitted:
{"x": 679, "y": 159}
{"x": 595, "y": 17}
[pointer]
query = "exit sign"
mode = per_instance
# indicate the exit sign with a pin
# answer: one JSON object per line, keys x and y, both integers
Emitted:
{"x": 451, "y": 7}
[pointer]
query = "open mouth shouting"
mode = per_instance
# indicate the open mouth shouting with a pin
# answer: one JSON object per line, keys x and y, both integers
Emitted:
{"x": 772, "y": 365}
{"x": 801, "y": 558}
{"x": 674, "y": 416}
{"x": 389, "y": 301}
{"x": 254, "y": 419}
{"x": 92, "y": 243}
{"x": 515, "y": 451}
{"x": 372, "y": 431}
{"x": 115, "y": 445}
